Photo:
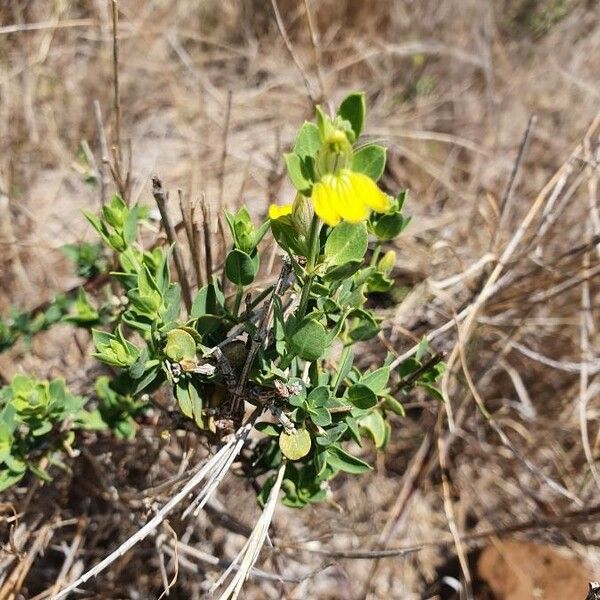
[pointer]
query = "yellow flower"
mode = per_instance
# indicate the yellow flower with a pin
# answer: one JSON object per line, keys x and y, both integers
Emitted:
{"x": 347, "y": 195}
{"x": 276, "y": 211}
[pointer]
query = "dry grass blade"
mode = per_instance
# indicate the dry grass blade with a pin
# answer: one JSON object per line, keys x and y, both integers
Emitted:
{"x": 207, "y": 471}
{"x": 249, "y": 553}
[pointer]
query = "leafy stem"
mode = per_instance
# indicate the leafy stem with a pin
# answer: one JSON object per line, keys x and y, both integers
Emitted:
{"x": 238, "y": 300}
{"x": 314, "y": 247}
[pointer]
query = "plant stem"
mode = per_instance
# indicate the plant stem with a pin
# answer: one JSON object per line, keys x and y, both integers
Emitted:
{"x": 376, "y": 254}
{"x": 314, "y": 247}
{"x": 238, "y": 300}
{"x": 256, "y": 301}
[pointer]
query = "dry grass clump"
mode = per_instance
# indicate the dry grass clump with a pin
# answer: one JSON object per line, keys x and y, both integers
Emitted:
{"x": 499, "y": 267}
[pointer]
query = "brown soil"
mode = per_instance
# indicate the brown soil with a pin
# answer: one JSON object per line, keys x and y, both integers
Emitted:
{"x": 516, "y": 570}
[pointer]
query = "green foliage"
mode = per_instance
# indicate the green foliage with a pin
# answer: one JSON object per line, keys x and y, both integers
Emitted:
{"x": 37, "y": 420}
{"x": 284, "y": 342}
{"x": 117, "y": 410}
{"x": 353, "y": 109}
{"x": 347, "y": 242}
{"x": 23, "y": 324}
{"x": 309, "y": 340}
{"x": 295, "y": 445}
{"x": 392, "y": 223}
{"x": 89, "y": 258}
{"x": 245, "y": 236}
{"x": 370, "y": 160}
{"x": 240, "y": 268}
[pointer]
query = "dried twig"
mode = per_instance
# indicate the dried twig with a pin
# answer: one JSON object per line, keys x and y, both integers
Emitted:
{"x": 103, "y": 152}
{"x": 260, "y": 333}
{"x": 208, "y": 254}
{"x": 506, "y": 205}
{"x": 161, "y": 202}
{"x": 290, "y": 49}
{"x": 209, "y": 470}
{"x": 117, "y": 92}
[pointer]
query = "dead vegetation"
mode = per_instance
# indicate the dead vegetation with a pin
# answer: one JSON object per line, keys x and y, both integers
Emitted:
{"x": 498, "y": 269}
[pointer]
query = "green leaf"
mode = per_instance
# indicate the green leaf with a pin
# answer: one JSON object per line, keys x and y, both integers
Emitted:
{"x": 208, "y": 300}
{"x": 422, "y": 349}
{"x": 361, "y": 396}
{"x": 432, "y": 390}
{"x": 320, "y": 416}
{"x": 240, "y": 268}
{"x": 343, "y": 368}
{"x": 40, "y": 472}
{"x": 347, "y": 242}
{"x": 172, "y": 302}
{"x": 318, "y": 397}
{"x": 309, "y": 340}
{"x": 342, "y": 461}
{"x": 374, "y": 424}
{"x": 295, "y": 445}
{"x": 296, "y": 173}
{"x": 114, "y": 349}
{"x": 180, "y": 345}
{"x": 268, "y": 429}
{"x": 8, "y": 478}
{"x": 98, "y": 225}
{"x": 308, "y": 140}
{"x": 378, "y": 282}
{"x": 353, "y": 109}
{"x": 364, "y": 326}
{"x": 148, "y": 378}
{"x": 230, "y": 219}
{"x": 390, "y": 403}
{"x": 377, "y": 380}
{"x": 332, "y": 434}
{"x": 285, "y": 234}
{"x": 197, "y": 405}
{"x": 184, "y": 399}
{"x": 260, "y": 233}
{"x": 389, "y": 225}
{"x": 370, "y": 160}
{"x": 130, "y": 224}
{"x": 352, "y": 424}
{"x": 337, "y": 272}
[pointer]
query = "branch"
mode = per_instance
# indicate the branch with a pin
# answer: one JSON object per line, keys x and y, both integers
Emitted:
{"x": 161, "y": 202}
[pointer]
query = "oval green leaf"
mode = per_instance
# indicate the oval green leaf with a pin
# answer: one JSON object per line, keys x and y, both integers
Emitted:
{"x": 361, "y": 396}
{"x": 370, "y": 160}
{"x": 295, "y": 445}
{"x": 240, "y": 268}
{"x": 342, "y": 461}
{"x": 308, "y": 140}
{"x": 309, "y": 341}
{"x": 347, "y": 242}
{"x": 374, "y": 425}
{"x": 353, "y": 109}
{"x": 180, "y": 345}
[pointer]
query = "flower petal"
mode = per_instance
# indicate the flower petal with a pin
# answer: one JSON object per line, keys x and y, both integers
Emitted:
{"x": 276, "y": 211}
{"x": 350, "y": 205}
{"x": 322, "y": 197}
{"x": 368, "y": 192}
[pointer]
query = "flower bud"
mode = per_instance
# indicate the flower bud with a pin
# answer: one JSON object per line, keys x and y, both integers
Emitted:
{"x": 302, "y": 214}
{"x": 387, "y": 262}
{"x": 335, "y": 153}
